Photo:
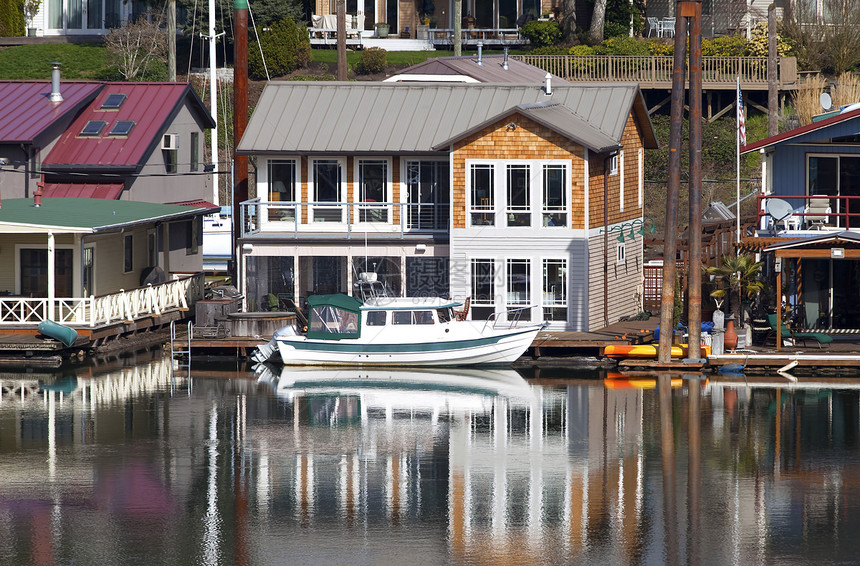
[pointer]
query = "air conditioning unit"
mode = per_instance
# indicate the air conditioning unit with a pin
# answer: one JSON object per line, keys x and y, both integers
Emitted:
{"x": 170, "y": 141}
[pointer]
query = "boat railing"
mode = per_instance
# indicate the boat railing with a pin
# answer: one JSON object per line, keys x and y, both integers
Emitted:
{"x": 510, "y": 318}
{"x": 123, "y": 306}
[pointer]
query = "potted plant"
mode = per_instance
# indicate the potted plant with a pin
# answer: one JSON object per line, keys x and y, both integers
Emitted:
{"x": 381, "y": 29}
{"x": 31, "y": 8}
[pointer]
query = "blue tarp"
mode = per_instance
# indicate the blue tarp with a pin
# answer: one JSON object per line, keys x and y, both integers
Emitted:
{"x": 707, "y": 327}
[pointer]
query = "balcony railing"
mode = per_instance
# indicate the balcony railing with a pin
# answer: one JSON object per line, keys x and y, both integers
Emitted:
{"x": 259, "y": 216}
{"x": 124, "y": 306}
{"x": 653, "y": 71}
{"x": 809, "y": 213}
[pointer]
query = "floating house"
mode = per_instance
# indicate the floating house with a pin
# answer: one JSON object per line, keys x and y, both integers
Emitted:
{"x": 506, "y": 195}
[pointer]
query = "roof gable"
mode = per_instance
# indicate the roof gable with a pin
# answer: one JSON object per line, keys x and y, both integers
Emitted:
{"x": 390, "y": 118}
{"x": 27, "y": 111}
{"x": 151, "y": 106}
{"x": 835, "y": 126}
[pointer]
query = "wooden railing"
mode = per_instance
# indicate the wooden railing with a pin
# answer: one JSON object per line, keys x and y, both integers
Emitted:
{"x": 657, "y": 71}
{"x": 124, "y": 306}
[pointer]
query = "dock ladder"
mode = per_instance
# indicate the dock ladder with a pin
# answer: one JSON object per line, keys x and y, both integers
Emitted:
{"x": 185, "y": 355}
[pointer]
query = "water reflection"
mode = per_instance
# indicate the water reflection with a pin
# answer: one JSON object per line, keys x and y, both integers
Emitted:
{"x": 138, "y": 464}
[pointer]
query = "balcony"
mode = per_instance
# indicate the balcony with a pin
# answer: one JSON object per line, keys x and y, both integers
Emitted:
{"x": 806, "y": 215}
{"x": 293, "y": 219}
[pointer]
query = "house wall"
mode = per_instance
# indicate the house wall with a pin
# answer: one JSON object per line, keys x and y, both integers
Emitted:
{"x": 623, "y": 278}
{"x": 788, "y": 173}
{"x": 152, "y": 184}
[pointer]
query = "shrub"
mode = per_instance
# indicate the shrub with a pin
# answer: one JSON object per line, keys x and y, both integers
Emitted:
{"x": 758, "y": 42}
{"x": 372, "y": 60}
{"x": 541, "y": 34}
{"x": 12, "y": 18}
{"x": 285, "y": 47}
{"x": 549, "y": 50}
{"x": 661, "y": 47}
{"x": 615, "y": 29}
{"x": 622, "y": 45}
{"x": 727, "y": 46}
{"x": 581, "y": 50}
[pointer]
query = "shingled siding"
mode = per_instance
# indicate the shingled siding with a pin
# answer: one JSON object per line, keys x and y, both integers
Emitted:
{"x": 628, "y": 167}
{"x": 529, "y": 140}
{"x": 624, "y": 279}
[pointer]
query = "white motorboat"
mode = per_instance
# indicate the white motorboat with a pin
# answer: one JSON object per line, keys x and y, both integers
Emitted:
{"x": 395, "y": 331}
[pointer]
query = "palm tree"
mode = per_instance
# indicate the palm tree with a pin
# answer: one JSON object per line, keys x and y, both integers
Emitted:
{"x": 735, "y": 277}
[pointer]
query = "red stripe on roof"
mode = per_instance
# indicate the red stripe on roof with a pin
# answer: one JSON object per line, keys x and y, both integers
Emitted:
{"x": 773, "y": 140}
{"x": 110, "y": 191}
{"x": 197, "y": 204}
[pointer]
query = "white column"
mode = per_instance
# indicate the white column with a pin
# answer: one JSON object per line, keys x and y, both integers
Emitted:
{"x": 52, "y": 276}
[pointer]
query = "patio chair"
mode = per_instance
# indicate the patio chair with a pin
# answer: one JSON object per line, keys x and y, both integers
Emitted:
{"x": 667, "y": 27}
{"x": 818, "y": 211}
{"x": 785, "y": 332}
{"x": 654, "y": 25}
{"x": 463, "y": 314}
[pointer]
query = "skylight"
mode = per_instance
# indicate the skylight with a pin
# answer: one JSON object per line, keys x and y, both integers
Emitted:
{"x": 93, "y": 128}
{"x": 113, "y": 101}
{"x": 121, "y": 128}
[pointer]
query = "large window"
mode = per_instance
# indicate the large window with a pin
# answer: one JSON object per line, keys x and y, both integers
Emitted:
{"x": 34, "y": 272}
{"x": 128, "y": 253}
{"x": 483, "y": 288}
{"x": 554, "y": 195}
{"x": 282, "y": 188}
{"x": 555, "y": 290}
{"x": 518, "y": 195}
{"x": 519, "y": 287}
{"x": 372, "y": 183}
{"x": 328, "y": 186}
{"x": 482, "y": 193}
{"x": 427, "y": 277}
{"x": 838, "y": 176}
{"x": 427, "y": 191}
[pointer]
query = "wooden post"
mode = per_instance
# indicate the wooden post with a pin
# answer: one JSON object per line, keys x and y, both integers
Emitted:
{"x": 778, "y": 310}
{"x": 772, "y": 93}
{"x": 341, "y": 40}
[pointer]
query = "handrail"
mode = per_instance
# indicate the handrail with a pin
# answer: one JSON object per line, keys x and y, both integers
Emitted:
{"x": 123, "y": 306}
{"x": 658, "y": 69}
{"x": 841, "y": 212}
{"x": 311, "y": 216}
{"x": 512, "y": 317}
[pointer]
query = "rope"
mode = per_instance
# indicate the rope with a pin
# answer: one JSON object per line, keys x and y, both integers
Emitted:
{"x": 260, "y": 45}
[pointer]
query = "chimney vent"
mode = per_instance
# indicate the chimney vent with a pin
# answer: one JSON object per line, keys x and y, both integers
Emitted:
{"x": 505, "y": 63}
{"x": 37, "y": 195}
{"x": 548, "y": 88}
{"x": 480, "y": 53}
{"x": 55, "y": 83}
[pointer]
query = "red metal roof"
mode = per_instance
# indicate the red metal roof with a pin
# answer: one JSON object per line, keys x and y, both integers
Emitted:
{"x": 26, "y": 110}
{"x": 149, "y": 105}
{"x": 799, "y": 131}
{"x": 199, "y": 203}
{"x": 83, "y": 190}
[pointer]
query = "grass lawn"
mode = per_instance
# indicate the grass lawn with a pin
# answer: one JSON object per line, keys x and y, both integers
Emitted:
{"x": 80, "y": 61}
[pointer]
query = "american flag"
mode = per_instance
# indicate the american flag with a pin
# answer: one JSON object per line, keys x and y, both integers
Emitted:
{"x": 742, "y": 129}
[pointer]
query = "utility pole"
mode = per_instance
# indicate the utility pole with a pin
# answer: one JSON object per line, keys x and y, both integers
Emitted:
{"x": 240, "y": 122}
{"x": 171, "y": 40}
{"x": 458, "y": 28}
{"x": 213, "y": 102}
{"x": 341, "y": 40}
{"x": 772, "y": 61}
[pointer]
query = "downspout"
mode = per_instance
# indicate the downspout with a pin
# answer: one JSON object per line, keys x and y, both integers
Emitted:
{"x": 606, "y": 240}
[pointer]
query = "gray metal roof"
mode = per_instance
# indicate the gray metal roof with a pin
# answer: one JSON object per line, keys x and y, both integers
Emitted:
{"x": 491, "y": 70}
{"x": 555, "y": 116}
{"x": 397, "y": 118}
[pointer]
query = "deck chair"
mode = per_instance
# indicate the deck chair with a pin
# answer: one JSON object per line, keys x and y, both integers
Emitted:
{"x": 819, "y": 337}
{"x": 817, "y": 211}
{"x": 463, "y": 314}
{"x": 653, "y": 26}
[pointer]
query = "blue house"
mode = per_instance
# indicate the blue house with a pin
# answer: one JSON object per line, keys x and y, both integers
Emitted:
{"x": 809, "y": 219}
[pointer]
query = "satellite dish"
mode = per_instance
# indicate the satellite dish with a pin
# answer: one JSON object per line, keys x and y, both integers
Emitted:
{"x": 825, "y": 101}
{"x": 779, "y": 209}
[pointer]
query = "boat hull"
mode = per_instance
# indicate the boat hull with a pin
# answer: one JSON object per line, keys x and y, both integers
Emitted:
{"x": 494, "y": 348}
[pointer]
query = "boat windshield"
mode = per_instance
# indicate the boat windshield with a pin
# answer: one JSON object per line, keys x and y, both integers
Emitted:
{"x": 327, "y": 321}
{"x": 445, "y": 315}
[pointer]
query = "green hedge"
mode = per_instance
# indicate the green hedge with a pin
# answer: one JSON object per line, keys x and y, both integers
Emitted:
{"x": 12, "y": 22}
{"x": 286, "y": 48}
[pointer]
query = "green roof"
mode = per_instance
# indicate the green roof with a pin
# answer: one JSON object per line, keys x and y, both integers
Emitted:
{"x": 338, "y": 300}
{"x": 85, "y": 214}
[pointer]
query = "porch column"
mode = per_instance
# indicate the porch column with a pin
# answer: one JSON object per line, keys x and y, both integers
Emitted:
{"x": 52, "y": 277}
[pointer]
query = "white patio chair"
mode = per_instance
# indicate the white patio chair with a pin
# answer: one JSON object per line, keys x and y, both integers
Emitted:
{"x": 667, "y": 26}
{"x": 653, "y": 25}
{"x": 818, "y": 211}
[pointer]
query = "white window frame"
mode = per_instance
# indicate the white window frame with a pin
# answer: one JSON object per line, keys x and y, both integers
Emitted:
{"x": 621, "y": 253}
{"x": 342, "y": 190}
{"x": 356, "y": 196}
{"x": 621, "y": 179}
{"x": 547, "y": 299}
{"x": 476, "y": 209}
{"x": 511, "y": 210}
{"x": 613, "y": 164}
{"x": 641, "y": 180}
{"x": 264, "y": 187}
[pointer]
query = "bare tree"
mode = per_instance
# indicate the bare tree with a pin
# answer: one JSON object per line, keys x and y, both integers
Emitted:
{"x": 824, "y": 35}
{"x": 598, "y": 18}
{"x": 138, "y": 45}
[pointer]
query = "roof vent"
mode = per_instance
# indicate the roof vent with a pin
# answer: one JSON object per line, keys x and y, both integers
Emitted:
{"x": 548, "y": 87}
{"x": 480, "y": 53}
{"x": 505, "y": 62}
{"x": 55, "y": 83}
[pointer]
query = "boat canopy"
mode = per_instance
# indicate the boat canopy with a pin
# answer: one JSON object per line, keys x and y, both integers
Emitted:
{"x": 333, "y": 317}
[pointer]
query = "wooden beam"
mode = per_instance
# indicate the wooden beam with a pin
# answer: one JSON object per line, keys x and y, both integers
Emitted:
{"x": 817, "y": 253}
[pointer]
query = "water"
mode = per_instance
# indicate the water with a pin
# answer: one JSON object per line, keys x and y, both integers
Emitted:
{"x": 126, "y": 465}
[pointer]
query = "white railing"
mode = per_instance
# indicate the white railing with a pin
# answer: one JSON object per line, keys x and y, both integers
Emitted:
{"x": 348, "y": 217}
{"x": 124, "y": 306}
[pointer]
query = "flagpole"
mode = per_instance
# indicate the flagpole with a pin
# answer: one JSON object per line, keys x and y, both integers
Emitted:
{"x": 738, "y": 165}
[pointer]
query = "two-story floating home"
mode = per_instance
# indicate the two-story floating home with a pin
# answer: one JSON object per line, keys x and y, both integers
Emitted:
{"x": 509, "y": 195}
{"x": 809, "y": 218}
